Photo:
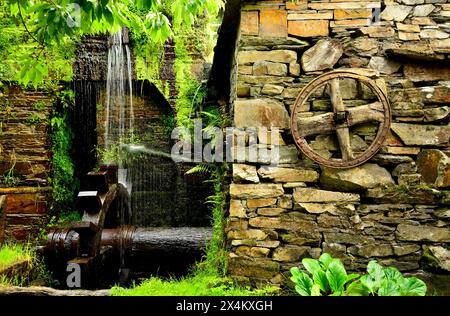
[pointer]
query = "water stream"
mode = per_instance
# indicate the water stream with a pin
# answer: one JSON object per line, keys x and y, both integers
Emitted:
{"x": 119, "y": 120}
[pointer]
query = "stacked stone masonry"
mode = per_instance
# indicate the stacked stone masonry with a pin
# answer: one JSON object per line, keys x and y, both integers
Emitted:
{"x": 25, "y": 161}
{"x": 394, "y": 208}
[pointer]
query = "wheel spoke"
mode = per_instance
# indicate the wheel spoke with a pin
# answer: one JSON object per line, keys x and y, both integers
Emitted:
{"x": 314, "y": 125}
{"x": 342, "y": 131}
{"x": 343, "y": 136}
{"x": 372, "y": 112}
{"x": 336, "y": 97}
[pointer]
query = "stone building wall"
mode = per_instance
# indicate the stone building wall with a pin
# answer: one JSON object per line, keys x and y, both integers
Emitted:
{"x": 25, "y": 161}
{"x": 395, "y": 208}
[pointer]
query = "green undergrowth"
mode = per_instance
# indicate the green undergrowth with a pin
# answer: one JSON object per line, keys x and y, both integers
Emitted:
{"x": 197, "y": 284}
{"x": 34, "y": 273}
{"x": 13, "y": 253}
{"x": 64, "y": 182}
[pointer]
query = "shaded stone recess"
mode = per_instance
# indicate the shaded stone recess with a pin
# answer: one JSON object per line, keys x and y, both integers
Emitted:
{"x": 395, "y": 208}
{"x": 25, "y": 160}
{"x": 162, "y": 194}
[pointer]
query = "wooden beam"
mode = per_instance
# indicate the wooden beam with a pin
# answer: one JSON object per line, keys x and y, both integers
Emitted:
{"x": 47, "y": 291}
{"x": 324, "y": 123}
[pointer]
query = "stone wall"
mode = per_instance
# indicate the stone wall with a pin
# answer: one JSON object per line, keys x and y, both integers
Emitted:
{"x": 25, "y": 160}
{"x": 395, "y": 207}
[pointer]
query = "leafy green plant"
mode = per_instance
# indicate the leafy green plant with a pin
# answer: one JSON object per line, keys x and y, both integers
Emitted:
{"x": 387, "y": 281}
{"x": 327, "y": 276}
{"x": 63, "y": 181}
{"x": 39, "y": 106}
{"x": 47, "y": 24}
{"x": 9, "y": 179}
{"x": 35, "y": 119}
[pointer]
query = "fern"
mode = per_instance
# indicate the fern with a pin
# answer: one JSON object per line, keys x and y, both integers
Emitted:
{"x": 202, "y": 168}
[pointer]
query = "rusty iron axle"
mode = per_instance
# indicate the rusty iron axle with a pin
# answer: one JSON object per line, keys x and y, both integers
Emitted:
{"x": 132, "y": 242}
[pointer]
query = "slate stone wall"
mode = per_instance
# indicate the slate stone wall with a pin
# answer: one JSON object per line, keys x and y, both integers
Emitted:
{"x": 395, "y": 208}
{"x": 25, "y": 157}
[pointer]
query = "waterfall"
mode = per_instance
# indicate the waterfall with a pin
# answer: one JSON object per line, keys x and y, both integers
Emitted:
{"x": 119, "y": 121}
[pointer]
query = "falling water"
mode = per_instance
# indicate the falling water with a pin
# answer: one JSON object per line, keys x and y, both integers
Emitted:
{"x": 119, "y": 120}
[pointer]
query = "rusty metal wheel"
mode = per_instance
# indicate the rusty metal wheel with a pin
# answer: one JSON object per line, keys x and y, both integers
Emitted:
{"x": 340, "y": 119}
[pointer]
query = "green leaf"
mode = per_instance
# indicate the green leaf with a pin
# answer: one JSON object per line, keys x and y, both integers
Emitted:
{"x": 389, "y": 288}
{"x": 376, "y": 272}
{"x": 413, "y": 287}
{"x": 303, "y": 283}
{"x": 315, "y": 290}
{"x": 368, "y": 282}
{"x": 351, "y": 277}
{"x": 336, "y": 275}
{"x": 320, "y": 278}
{"x": 294, "y": 271}
{"x": 392, "y": 273}
{"x": 357, "y": 289}
{"x": 325, "y": 259}
{"x": 311, "y": 265}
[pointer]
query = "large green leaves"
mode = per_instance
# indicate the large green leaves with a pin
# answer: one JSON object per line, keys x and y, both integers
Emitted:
{"x": 315, "y": 290}
{"x": 336, "y": 275}
{"x": 389, "y": 288}
{"x": 357, "y": 289}
{"x": 318, "y": 273}
{"x": 325, "y": 259}
{"x": 54, "y": 22}
{"x": 329, "y": 277}
{"x": 320, "y": 278}
{"x": 392, "y": 273}
{"x": 303, "y": 283}
{"x": 374, "y": 277}
{"x": 413, "y": 287}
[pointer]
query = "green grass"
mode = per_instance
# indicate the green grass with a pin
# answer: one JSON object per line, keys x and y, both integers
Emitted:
{"x": 12, "y": 253}
{"x": 197, "y": 284}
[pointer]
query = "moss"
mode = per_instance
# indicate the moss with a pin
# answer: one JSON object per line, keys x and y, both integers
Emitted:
{"x": 64, "y": 183}
{"x": 168, "y": 123}
{"x": 35, "y": 119}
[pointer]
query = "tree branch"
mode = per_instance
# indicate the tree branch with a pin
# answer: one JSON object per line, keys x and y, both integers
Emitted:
{"x": 25, "y": 26}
